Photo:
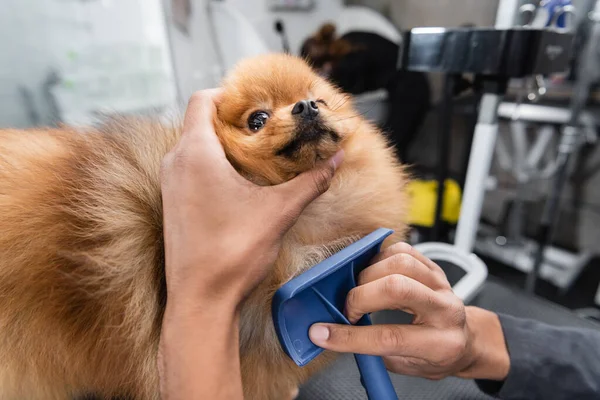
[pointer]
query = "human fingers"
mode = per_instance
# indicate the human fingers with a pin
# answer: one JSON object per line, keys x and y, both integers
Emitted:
{"x": 393, "y": 292}
{"x": 199, "y": 148}
{"x": 403, "y": 264}
{"x": 378, "y": 340}
{"x": 405, "y": 248}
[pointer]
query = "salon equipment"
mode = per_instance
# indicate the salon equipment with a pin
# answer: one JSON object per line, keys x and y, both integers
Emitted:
{"x": 423, "y": 195}
{"x": 319, "y": 295}
{"x": 569, "y": 143}
{"x": 494, "y": 56}
{"x": 557, "y": 14}
{"x": 538, "y": 257}
{"x": 529, "y": 161}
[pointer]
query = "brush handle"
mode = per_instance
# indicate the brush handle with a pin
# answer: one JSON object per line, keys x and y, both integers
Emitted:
{"x": 375, "y": 378}
{"x": 373, "y": 374}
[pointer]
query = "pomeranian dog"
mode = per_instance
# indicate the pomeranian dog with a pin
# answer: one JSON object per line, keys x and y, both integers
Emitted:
{"x": 82, "y": 287}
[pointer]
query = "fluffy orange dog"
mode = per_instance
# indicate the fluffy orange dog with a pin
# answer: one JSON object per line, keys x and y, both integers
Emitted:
{"x": 82, "y": 286}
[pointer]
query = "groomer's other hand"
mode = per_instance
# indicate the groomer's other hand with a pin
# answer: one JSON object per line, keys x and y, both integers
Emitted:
{"x": 445, "y": 338}
{"x": 222, "y": 233}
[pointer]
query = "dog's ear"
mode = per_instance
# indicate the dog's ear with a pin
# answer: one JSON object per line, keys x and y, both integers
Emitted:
{"x": 312, "y": 49}
{"x": 340, "y": 48}
{"x": 326, "y": 33}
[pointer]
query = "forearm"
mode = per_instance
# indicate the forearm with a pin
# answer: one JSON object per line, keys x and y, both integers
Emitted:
{"x": 199, "y": 352}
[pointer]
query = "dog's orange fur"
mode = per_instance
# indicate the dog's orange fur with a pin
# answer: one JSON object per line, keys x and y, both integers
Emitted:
{"x": 82, "y": 286}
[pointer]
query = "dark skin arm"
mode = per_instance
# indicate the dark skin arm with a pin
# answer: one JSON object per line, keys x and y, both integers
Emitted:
{"x": 215, "y": 225}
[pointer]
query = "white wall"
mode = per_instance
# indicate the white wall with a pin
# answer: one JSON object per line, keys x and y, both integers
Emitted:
{"x": 409, "y": 14}
{"x": 43, "y": 35}
{"x": 47, "y": 33}
{"x": 195, "y": 57}
{"x": 194, "y": 60}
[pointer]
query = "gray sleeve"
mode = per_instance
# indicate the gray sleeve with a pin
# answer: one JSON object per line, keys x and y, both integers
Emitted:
{"x": 548, "y": 362}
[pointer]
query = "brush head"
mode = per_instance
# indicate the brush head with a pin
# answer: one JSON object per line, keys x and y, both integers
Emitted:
{"x": 319, "y": 295}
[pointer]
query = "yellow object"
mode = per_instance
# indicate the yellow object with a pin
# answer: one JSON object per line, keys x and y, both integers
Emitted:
{"x": 423, "y": 201}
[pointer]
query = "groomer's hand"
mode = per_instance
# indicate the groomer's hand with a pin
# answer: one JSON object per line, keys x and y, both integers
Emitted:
{"x": 222, "y": 232}
{"x": 445, "y": 338}
{"x": 222, "y": 235}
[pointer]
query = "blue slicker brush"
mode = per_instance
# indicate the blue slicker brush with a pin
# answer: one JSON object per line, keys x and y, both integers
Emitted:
{"x": 319, "y": 295}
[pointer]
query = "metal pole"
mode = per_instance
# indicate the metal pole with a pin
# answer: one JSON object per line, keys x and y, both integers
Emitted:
{"x": 482, "y": 150}
{"x": 480, "y": 162}
{"x": 472, "y": 124}
{"x": 445, "y": 130}
{"x": 569, "y": 142}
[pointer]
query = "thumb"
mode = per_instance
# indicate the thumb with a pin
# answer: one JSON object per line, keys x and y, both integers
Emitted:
{"x": 299, "y": 192}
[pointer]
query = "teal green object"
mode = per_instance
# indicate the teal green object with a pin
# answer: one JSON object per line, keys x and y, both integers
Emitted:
{"x": 319, "y": 295}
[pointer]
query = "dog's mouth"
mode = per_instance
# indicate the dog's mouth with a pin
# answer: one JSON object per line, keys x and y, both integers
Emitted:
{"x": 309, "y": 134}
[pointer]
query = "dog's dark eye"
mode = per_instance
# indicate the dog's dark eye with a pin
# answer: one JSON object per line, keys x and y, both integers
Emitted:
{"x": 322, "y": 102}
{"x": 257, "y": 120}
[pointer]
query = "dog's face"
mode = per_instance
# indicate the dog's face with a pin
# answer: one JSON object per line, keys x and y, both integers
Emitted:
{"x": 278, "y": 118}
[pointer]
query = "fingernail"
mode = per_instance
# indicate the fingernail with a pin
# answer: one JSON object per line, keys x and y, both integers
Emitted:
{"x": 318, "y": 334}
{"x": 337, "y": 159}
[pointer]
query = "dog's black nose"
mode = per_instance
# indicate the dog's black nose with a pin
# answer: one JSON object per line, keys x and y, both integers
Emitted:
{"x": 306, "y": 108}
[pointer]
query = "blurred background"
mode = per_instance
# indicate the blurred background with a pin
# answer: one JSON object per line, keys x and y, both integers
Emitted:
{"x": 63, "y": 59}
{"x": 71, "y": 61}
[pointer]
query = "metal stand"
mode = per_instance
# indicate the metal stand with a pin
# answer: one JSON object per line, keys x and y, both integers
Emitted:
{"x": 493, "y": 55}
{"x": 524, "y": 161}
{"x": 570, "y": 140}
{"x": 480, "y": 162}
{"x": 549, "y": 218}
{"x": 486, "y": 129}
